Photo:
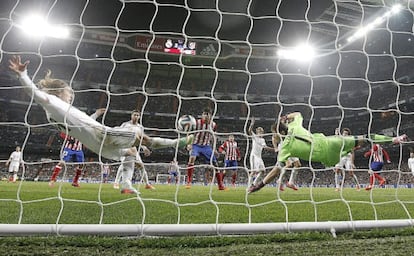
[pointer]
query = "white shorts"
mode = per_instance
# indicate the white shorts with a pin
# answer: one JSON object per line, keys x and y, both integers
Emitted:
{"x": 13, "y": 167}
{"x": 293, "y": 159}
{"x": 344, "y": 162}
{"x": 256, "y": 164}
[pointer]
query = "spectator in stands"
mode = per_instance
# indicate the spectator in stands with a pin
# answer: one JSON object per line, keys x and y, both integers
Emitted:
{"x": 55, "y": 96}
{"x": 315, "y": 147}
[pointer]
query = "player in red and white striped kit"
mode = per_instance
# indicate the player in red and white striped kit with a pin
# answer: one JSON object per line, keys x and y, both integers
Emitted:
{"x": 232, "y": 154}
{"x": 377, "y": 154}
{"x": 72, "y": 152}
{"x": 201, "y": 146}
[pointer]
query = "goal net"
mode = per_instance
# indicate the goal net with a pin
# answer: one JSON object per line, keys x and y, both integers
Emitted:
{"x": 342, "y": 64}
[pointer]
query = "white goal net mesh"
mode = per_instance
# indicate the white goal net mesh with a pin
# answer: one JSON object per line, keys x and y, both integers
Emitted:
{"x": 340, "y": 63}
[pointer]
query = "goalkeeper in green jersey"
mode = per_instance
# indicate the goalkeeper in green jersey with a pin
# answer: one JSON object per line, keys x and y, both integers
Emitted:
{"x": 315, "y": 147}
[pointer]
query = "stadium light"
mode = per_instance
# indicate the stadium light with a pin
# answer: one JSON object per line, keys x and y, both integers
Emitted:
{"x": 37, "y": 26}
{"x": 301, "y": 53}
{"x": 370, "y": 26}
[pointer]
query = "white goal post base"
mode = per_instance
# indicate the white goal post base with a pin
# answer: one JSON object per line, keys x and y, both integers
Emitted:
{"x": 198, "y": 229}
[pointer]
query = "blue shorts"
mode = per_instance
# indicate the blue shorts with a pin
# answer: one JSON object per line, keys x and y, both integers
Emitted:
{"x": 230, "y": 163}
{"x": 203, "y": 150}
{"x": 173, "y": 174}
{"x": 75, "y": 156}
{"x": 376, "y": 166}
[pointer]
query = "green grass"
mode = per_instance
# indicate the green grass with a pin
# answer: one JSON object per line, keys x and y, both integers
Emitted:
{"x": 30, "y": 202}
{"x": 35, "y": 202}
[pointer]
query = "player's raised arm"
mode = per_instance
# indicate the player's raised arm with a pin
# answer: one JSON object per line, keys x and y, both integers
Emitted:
{"x": 16, "y": 65}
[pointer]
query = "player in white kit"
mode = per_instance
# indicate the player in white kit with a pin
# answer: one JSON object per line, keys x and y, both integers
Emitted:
{"x": 14, "y": 161}
{"x": 346, "y": 163}
{"x": 126, "y": 169}
{"x": 55, "y": 96}
{"x": 257, "y": 166}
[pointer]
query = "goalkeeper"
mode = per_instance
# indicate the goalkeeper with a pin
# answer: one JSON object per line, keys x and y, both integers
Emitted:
{"x": 316, "y": 147}
{"x": 55, "y": 96}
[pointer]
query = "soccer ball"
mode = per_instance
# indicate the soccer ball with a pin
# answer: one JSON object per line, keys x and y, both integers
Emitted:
{"x": 186, "y": 123}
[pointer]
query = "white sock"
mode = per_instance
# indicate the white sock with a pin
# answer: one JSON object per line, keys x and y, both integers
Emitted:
{"x": 337, "y": 185}
{"x": 127, "y": 172}
{"x": 144, "y": 175}
{"x": 292, "y": 177}
{"x": 118, "y": 174}
{"x": 256, "y": 179}
{"x": 157, "y": 142}
{"x": 356, "y": 180}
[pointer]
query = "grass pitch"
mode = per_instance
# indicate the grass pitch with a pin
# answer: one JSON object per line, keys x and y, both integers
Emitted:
{"x": 36, "y": 202}
{"x": 30, "y": 202}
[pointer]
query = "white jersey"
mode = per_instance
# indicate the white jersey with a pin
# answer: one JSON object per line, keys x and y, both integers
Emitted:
{"x": 258, "y": 143}
{"x": 109, "y": 142}
{"x": 15, "y": 159}
{"x": 256, "y": 161}
{"x": 411, "y": 164}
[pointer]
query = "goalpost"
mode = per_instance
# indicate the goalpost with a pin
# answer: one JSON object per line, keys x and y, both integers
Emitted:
{"x": 340, "y": 63}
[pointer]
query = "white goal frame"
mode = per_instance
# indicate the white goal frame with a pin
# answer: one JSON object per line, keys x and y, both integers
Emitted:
{"x": 332, "y": 227}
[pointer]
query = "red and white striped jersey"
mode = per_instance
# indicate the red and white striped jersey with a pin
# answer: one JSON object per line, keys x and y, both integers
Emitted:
{"x": 378, "y": 154}
{"x": 71, "y": 142}
{"x": 231, "y": 149}
{"x": 204, "y": 136}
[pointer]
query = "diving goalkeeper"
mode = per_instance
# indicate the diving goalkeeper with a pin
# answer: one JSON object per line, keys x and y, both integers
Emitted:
{"x": 316, "y": 147}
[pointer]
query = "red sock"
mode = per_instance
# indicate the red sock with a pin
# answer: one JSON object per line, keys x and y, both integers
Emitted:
{"x": 220, "y": 177}
{"x": 371, "y": 180}
{"x": 190, "y": 170}
{"x": 378, "y": 177}
{"x": 78, "y": 172}
{"x": 233, "y": 178}
{"x": 56, "y": 172}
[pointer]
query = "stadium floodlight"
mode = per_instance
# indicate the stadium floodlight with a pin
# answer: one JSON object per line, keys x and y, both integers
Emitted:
{"x": 37, "y": 26}
{"x": 302, "y": 52}
{"x": 364, "y": 30}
